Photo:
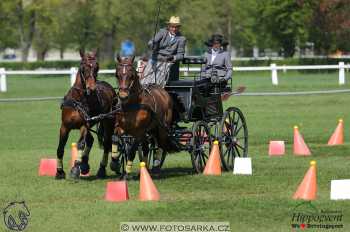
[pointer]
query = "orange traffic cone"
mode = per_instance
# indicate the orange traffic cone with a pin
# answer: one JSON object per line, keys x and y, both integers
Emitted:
{"x": 213, "y": 166}
{"x": 299, "y": 146}
{"x": 47, "y": 167}
{"x": 307, "y": 189}
{"x": 337, "y": 137}
{"x": 148, "y": 191}
{"x": 117, "y": 191}
{"x": 74, "y": 156}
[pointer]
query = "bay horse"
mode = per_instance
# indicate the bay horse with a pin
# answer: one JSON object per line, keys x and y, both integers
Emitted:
{"x": 86, "y": 98}
{"x": 143, "y": 111}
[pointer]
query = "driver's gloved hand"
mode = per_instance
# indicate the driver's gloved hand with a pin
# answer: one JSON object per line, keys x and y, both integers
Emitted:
{"x": 214, "y": 79}
{"x": 153, "y": 62}
{"x": 223, "y": 81}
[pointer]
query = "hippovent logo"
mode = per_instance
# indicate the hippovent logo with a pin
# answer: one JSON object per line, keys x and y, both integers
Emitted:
{"x": 16, "y": 216}
{"x": 306, "y": 216}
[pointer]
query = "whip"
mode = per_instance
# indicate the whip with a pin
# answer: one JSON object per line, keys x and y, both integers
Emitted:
{"x": 154, "y": 36}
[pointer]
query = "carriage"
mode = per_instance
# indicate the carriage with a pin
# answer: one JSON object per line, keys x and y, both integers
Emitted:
{"x": 202, "y": 118}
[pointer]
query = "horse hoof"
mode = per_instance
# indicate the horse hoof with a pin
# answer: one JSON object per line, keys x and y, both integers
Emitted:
{"x": 84, "y": 168}
{"x": 60, "y": 174}
{"x": 101, "y": 173}
{"x": 115, "y": 166}
{"x": 75, "y": 171}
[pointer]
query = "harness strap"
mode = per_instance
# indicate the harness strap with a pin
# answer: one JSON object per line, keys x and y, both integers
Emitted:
{"x": 148, "y": 91}
{"x": 77, "y": 106}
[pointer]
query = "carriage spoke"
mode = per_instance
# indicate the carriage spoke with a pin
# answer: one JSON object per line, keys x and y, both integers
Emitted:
{"x": 228, "y": 151}
{"x": 237, "y": 130}
{"x": 232, "y": 122}
{"x": 239, "y": 154}
{"x": 232, "y": 158}
{"x": 240, "y": 146}
{"x": 204, "y": 158}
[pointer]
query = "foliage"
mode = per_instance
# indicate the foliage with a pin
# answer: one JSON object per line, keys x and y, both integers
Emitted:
{"x": 330, "y": 25}
{"x": 286, "y": 21}
{"x": 282, "y": 25}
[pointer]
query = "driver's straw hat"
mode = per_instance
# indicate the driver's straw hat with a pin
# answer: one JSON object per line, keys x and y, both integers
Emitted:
{"x": 174, "y": 20}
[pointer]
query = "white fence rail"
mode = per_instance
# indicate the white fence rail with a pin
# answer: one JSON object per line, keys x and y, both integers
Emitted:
{"x": 273, "y": 68}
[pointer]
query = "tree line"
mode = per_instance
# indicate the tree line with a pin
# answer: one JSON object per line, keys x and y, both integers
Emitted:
{"x": 281, "y": 25}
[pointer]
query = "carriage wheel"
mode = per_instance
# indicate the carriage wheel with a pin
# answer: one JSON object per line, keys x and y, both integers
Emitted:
{"x": 201, "y": 145}
{"x": 146, "y": 154}
{"x": 233, "y": 135}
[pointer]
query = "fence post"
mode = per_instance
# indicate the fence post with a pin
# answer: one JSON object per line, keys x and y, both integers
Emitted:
{"x": 186, "y": 73}
{"x": 274, "y": 74}
{"x": 73, "y": 73}
{"x": 3, "y": 86}
{"x": 341, "y": 73}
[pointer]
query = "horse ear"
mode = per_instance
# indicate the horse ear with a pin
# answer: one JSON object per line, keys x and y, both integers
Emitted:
{"x": 81, "y": 52}
{"x": 132, "y": 59}
{"x": 119, "y": 58}
{"x": 94, "y": 52}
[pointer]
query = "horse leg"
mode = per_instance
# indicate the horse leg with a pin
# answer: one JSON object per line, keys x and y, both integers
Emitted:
{"x": 64, "y": 132}
{"x": 161, "y": 142}
{"x": 131, "y": 156}
{"x": 107, "y": 144}
{"x": 115, "y": 165}
{"x": 84, "y": 166}
{"x": 157, "y": 158}
{"x": 75, "y": 171}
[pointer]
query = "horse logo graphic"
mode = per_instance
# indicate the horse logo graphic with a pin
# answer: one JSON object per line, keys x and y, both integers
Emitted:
{"x": 16, "y": 216}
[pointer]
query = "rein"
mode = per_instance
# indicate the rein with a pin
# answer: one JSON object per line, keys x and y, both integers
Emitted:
{"x": 82, "y": 109}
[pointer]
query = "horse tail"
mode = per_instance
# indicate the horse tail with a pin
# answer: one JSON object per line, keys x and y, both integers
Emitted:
{"x": 100, "y": 134}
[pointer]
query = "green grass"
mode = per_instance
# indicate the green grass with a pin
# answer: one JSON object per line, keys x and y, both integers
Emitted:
{"x": 261, "y": 202}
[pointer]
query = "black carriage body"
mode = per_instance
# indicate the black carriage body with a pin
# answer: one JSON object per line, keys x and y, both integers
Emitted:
{"x": 199, "y": 97}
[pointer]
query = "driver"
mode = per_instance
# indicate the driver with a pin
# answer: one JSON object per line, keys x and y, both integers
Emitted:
{"x": 168, "y": 48}
{"x": 218, "y": 61}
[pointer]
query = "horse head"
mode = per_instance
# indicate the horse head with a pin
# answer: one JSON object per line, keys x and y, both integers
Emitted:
{"x": 126, "y": 76}
{"x": 88, "y": 71}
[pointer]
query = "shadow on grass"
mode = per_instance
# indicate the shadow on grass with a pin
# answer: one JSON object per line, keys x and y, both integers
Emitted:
{"x": 166, "y": 173}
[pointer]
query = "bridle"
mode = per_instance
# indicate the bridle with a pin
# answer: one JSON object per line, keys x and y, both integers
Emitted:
{"x": 124, "y": 76}
{"x": 92, "y": 73}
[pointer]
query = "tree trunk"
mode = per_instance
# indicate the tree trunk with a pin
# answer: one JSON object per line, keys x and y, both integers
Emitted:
{"x": 229, "y": 33}
{"x": 289, "y": 47}
{"x": 107, "y": 47}
{"x": 41, "y": 54}
{"x": 61, "y": 52}
{"x": 26, "y": 34}
{"x": 25, "y": 52}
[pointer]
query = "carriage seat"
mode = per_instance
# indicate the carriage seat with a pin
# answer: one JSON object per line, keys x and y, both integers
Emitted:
{"x": 189, "y": 83}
